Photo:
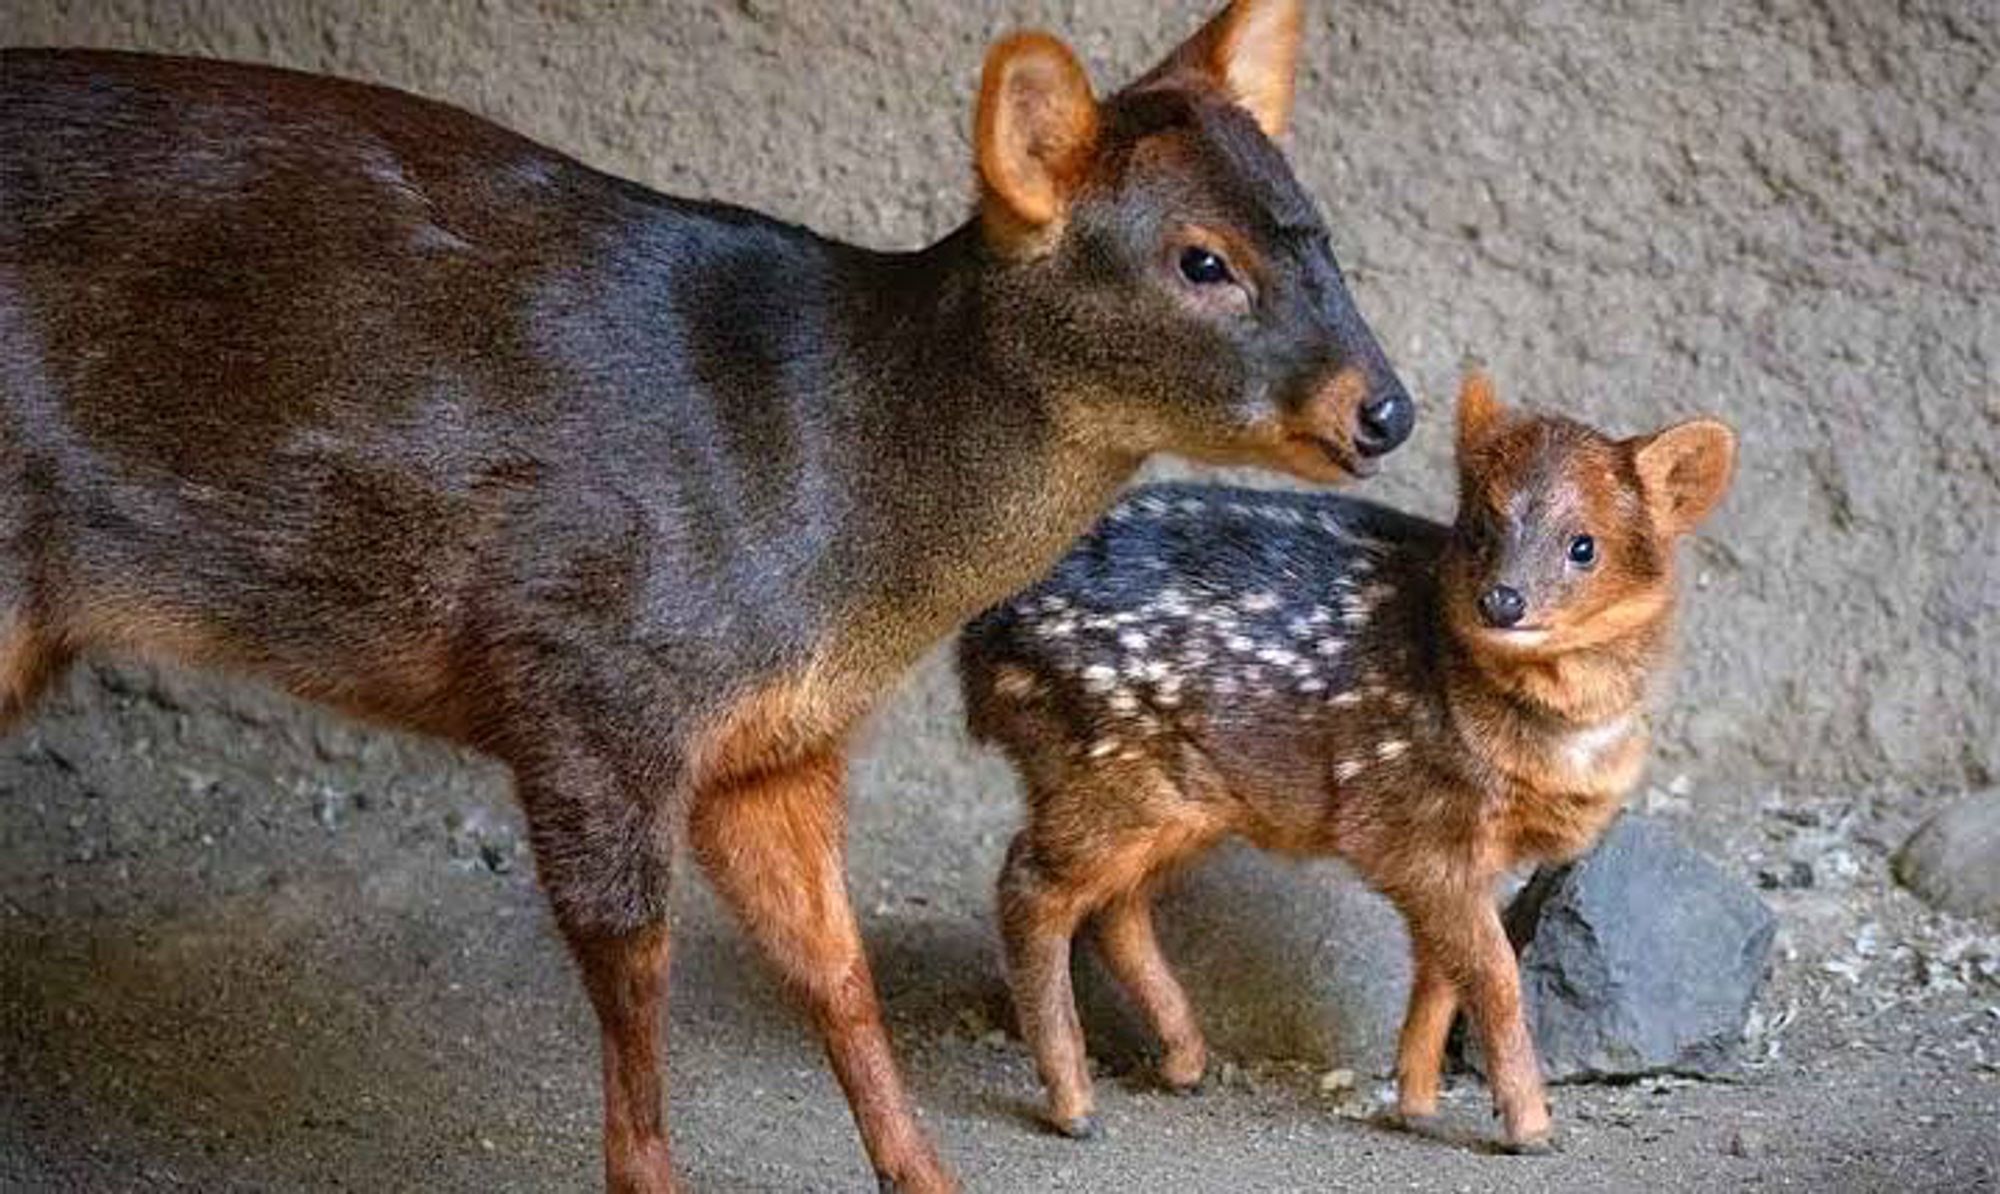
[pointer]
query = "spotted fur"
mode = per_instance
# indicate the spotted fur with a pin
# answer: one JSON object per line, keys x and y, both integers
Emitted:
{"x": 1302, "y": 671}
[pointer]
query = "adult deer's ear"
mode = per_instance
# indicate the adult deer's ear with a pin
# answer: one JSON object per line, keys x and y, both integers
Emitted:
{"x": 1684, "y": 470}
{"x": 1034, "y": 134}
{"x": 1479, "y": 411}
{"x": 1249, "y": 52}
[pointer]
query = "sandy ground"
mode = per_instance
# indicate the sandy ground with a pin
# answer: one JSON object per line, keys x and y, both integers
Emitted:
{"x": 323, "y": 964}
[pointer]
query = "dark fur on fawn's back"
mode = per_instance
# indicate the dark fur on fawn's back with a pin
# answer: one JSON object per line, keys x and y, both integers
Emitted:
{"x": 1193, "y": 612}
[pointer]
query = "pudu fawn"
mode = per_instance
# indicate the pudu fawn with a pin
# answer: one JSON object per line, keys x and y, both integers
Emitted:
{"x": 1327, "y": 677}
{"x": 651, "y": 499}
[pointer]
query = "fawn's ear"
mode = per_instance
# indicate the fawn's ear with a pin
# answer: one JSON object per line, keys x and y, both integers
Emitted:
{"x": 1685, "y": 470}
{"x": 1036, "y": 127}
{"x": 1248, "y": 51}
{"x": 1479, "y": 411}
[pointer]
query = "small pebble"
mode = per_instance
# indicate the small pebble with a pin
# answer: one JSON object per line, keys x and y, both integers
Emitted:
{"x": 1798, "y": 876}
{"x": 1336, "y": 1081}
{"x": 1746, "y": 1142}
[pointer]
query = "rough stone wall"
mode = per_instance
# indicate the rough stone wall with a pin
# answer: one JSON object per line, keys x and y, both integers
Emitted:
{"x": 1782, "y": 212}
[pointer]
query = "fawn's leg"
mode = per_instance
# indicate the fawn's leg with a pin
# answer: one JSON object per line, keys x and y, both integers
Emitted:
{"x": 1125, "y": 938}
{"x": 773, "y": 845}
{"x": 1039, "y": 914}
{"x": 1066, "y": 865}
{"x": 1465, "y": 934}
{"x": 1426, "y": 1027}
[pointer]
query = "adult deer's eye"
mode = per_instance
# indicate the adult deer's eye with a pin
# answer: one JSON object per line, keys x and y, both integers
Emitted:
{"x": 1583, "y": 551}
{"x": 1204, "y": 268}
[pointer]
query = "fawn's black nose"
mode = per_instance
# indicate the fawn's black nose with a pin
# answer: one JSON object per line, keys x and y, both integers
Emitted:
{"x": 1385, "y": 423}
{"x": 1502, "y": 606}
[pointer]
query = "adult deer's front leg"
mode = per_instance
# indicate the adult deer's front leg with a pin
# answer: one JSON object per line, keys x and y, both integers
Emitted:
{"x": 605, "y": 859}
{"x": 626, "y": 976}
{"x": 773, "y": 846}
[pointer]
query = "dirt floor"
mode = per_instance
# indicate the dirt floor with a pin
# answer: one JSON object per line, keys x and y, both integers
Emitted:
{"x": 320, "y": 962}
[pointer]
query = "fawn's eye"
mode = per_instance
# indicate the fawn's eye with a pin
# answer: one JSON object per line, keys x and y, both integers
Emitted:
{"x": 1583, "y": 551}
{"x": 1204, "y": 268}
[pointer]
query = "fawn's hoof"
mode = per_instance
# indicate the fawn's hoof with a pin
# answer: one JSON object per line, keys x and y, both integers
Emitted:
{"x": 1417, "y": 1123}
{"x": 1530, "y": 1146}
{"x": 1083, "y": 1127}
{"x": 1185, "y": 1084}
{"x": 1184, "y": 1080}
{"x": 888, "y": 1184}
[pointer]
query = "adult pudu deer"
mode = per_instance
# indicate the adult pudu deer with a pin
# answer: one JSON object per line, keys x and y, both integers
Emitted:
{"x": 648, "y": 498}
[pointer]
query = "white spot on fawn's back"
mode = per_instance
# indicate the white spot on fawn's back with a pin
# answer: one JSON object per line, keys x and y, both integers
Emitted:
{"x": 1015, "y": 683}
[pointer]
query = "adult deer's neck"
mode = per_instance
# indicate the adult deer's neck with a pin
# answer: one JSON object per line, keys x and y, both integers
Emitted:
{"x": 976, "y": 467}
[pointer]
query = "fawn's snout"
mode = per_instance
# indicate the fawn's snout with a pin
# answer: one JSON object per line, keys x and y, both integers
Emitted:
{"x": 1502, "y": 606}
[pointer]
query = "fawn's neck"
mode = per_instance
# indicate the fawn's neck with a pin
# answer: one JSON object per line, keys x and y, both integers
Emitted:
{"x": 1560, "y": 739}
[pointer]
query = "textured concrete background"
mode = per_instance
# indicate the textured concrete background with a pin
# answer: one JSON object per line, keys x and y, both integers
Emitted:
{"x": 260, "y": 945}
{"x": 1782, "y": 212}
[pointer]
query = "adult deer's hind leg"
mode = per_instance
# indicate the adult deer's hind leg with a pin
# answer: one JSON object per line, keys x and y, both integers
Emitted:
{"x": 773, "y": 844}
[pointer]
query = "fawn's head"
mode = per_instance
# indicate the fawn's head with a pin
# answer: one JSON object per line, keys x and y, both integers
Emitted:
{"x": 1565, "y": 537}
{"x": 1159, "y": 255}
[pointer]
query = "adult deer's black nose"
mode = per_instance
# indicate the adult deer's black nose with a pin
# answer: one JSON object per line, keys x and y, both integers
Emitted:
{"x": 1385, "y": 423}
{"x": 1502, "y": 606}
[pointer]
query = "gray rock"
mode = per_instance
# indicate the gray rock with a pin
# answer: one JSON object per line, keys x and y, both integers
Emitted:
{"x": 1642, "y": 957}
{"x": 1280, "y": 959}
{"x": 1953, "y": 861}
